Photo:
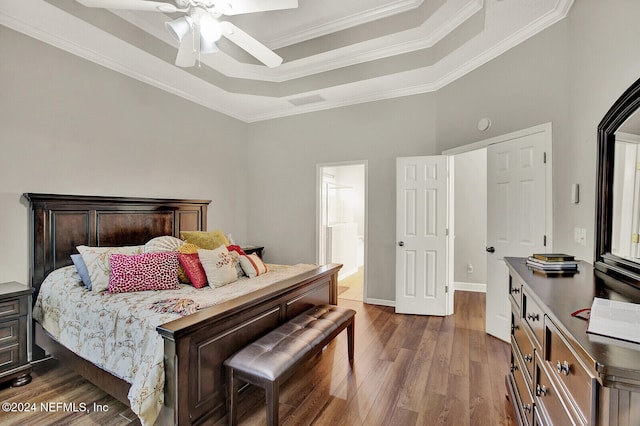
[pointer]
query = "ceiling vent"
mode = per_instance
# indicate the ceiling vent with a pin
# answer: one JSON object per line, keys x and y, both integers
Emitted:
{"x": 305, "y": 100}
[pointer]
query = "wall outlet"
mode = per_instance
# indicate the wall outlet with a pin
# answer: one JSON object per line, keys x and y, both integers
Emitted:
{"x": 469, "y": 268}
{"x": 580, "y": 235}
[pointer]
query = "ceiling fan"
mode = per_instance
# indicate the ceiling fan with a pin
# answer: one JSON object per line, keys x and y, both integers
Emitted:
{"x": 200, "y": 28}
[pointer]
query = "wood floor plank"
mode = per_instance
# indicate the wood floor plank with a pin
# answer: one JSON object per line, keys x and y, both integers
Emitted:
{"x": 408, "y": 370}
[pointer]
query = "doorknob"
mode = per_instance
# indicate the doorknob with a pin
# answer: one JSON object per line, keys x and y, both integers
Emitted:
{"x": 491, "y": 249}
{"x": 401, "y": 243}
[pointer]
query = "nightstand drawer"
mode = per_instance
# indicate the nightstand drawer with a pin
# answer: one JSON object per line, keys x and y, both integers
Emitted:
{"x": 9, "y": 332}
{"x": 13, "y": 308}
{"x": 9, "y": 357}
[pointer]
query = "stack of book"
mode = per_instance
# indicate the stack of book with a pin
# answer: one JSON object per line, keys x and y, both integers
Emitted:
{"x": 552, "y": 264}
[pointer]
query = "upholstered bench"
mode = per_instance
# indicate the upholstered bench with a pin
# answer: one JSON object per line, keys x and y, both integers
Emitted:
{"x": 274, "y": 357}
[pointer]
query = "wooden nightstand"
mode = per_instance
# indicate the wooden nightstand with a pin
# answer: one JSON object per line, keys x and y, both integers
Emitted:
{"x": 250, "y": 249}
{"x": 14, "y": 322}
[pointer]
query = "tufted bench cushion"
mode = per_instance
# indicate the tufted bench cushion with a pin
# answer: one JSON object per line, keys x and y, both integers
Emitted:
{"x": 275, "y": 356}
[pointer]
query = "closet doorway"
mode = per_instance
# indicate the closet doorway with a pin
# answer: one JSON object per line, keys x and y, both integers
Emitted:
{"x": 341, "y": 224}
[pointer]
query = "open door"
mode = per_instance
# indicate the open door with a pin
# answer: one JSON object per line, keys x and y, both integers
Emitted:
{"x": 516, "y": 217}
{"x": 422, "y": 277}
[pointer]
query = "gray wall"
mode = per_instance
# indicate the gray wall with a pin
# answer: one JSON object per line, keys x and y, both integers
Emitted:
{"x": 470, "y": 220}
{"x": 283, "y": 154}
{"x": 569, "y": 75}
{"x": 69, "y": 126}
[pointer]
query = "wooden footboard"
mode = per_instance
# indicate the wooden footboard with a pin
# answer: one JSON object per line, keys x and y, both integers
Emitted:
{"x": 197, "y": 345}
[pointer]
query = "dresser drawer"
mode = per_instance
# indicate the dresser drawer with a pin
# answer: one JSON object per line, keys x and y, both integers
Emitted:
{"x": 570, "y": 373}
{"x": 534, "y": 317}
{"x": 523, "y": 344}
{"x": 13, "y": 308}
{"x": 549, "y": 400}
{"x": 515, "y": 291}
{"x": 522, "y": 388}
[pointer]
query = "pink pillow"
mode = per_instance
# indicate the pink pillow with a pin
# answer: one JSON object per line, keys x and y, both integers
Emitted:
{"x": 193, "y": 268}
{"x": 146, "y": 271}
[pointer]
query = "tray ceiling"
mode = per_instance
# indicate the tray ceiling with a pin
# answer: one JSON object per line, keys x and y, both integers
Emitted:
{"x": 335, "y": 52}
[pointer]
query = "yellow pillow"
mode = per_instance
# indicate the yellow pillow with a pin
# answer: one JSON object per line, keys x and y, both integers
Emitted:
{"x": 205, "y": 240}
{"x": 186, "y": 249}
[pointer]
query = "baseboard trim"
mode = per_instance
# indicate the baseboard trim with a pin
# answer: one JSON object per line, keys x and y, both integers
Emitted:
{"x": 477, "y": 287}
{"x": 380, "y": 302}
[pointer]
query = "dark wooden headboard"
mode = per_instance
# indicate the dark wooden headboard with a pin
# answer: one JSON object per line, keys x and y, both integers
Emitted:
{"x": 59, "y": 223}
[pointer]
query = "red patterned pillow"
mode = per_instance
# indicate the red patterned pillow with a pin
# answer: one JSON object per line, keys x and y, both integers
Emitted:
{"x": 193, "y": 268}
{"x": 146, "y": 271}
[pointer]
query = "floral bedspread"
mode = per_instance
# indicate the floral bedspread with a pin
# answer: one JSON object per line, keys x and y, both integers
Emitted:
{"x": 117, "y": 332}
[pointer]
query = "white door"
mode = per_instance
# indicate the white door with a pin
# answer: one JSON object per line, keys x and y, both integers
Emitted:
{"x": 516, "y": 206}
{"x": 421, "y": 235}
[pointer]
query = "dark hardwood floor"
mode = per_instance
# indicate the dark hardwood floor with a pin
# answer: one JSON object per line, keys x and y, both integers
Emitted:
{"x": 408, "y": 370}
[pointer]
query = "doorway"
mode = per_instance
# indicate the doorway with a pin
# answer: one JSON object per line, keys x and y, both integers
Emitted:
{"x": 341, "y": 224}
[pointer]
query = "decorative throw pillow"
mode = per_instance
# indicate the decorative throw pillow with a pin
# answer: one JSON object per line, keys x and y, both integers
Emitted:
{"x": 146, "y": 271}
{"x": 82, "y": 270}
{"x": 205, "y": 240}
{"x": 193, "y": 268}
{"x": 252, "y": 265}
{"x": 218, "y": 265}
{"x": 164, "y": 243}
{"x": 186, "y": 248}
{"x": 97, "y": 261}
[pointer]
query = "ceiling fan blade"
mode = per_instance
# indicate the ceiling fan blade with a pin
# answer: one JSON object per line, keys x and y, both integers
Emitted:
{"x": 188, "y": 50}
{"x": 151, "y": 6}
{"x": 238, "y": 7}
{"x": 250, "y": 44}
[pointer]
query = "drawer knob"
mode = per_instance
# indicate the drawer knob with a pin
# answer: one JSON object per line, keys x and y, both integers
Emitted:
{"x": 563, "y": 368}
{"x": 541, "y": 390}
{"x": 528, "y": 358}
{"x": 514, "y": 328}
{"x": 513, "y": 367}
{"x": 515, "y": 290}
{"x": 527, "y": 408}
{"x": 533, "y": 317}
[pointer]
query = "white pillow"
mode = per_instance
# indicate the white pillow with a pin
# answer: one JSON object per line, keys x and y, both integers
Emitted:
{"x": 97, "y": 261}
{"x": 162, "y": 244}
{"x": 252, "y": 265}
{"x": 218, "y": 266}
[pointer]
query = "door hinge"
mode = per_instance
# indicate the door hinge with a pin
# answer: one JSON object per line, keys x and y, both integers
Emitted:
{"x": 544, "y": 241}
{"x": 544, "y": 158}
{"x": 446, "y": 289}
{"x": 446, "y": 231}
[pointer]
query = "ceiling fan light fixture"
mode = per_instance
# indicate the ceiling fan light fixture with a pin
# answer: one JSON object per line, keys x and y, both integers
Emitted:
{"x": 208, "y": 46}
{"x": 210, "y": 28}
{"x": 179, "y": 27}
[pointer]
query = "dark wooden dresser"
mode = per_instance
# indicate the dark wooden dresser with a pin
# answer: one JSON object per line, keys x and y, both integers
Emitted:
{"x": 559, "y": 374}
{"x": 14, "y": 322}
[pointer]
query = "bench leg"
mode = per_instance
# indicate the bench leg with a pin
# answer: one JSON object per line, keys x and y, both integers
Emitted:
{"x": 272, "y": 394}
{"x": 351, "y": 340}
{"x": 232, "y": 397}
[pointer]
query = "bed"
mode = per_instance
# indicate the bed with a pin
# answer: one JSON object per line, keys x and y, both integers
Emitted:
{"x": 194, "y": 346}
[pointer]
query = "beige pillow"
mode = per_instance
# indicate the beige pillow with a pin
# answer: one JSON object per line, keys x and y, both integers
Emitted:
{"x": 162, "y": 244}
{"x": 218, "y": 266}
{"x": 97, "y": 261}
{"x": 205, "y": 240}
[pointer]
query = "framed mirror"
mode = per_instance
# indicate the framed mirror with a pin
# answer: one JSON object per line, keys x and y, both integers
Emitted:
{"x": 617, "y": 234}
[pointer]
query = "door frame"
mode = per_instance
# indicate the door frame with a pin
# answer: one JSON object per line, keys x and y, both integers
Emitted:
{"x": 545, "y": 128}
{"x": 319, "y": 204}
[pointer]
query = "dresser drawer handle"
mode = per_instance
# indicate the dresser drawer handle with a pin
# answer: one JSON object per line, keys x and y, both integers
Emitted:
{"x": 514, "y": 328}
{"x": 528, "y": 358}
{"x": 541, "y": 390}
{"x": 563, "y": 368}
{"x": 533, "y": 317}
{"x": 513, "y": 367}
{"x": 515, "y": 290}
{"x": 527, "y": 408}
